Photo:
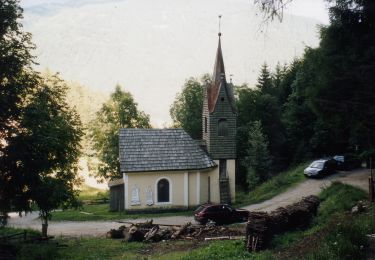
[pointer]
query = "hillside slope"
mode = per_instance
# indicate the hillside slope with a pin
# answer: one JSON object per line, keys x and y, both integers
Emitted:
{"x": 150, "y": 47}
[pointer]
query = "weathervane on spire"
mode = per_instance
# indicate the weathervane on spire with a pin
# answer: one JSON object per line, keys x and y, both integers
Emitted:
{"x": 220, "y": 24}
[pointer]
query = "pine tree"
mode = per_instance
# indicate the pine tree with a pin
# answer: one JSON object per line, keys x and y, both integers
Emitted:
{"x": 265, "y": 84}
{"x": 258, "y": 160}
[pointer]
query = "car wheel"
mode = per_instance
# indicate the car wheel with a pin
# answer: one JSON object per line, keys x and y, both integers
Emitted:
{"x": 203, "y": 222}
{"x": 211, "y": 221}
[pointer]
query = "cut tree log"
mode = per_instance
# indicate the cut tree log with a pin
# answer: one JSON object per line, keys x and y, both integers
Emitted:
{"x": 180, "y": 231}
{"x": 134, "y": 235}
{"x": 151, "y": 234}
{"x": 262, "y": 227}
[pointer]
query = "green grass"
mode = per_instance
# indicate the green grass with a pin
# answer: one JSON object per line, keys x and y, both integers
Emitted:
{"x": 5, "y": 231}
{"x": 346, "y": 238}
{"x": 334, "y": 234}
{"x": 93, "y": 212}
{"x": 272, "y": 187}
{"x": 336, "y": 199}
{"x": 91, "y": 193}
{"x": 27, "y": 250}
{"x": 221, "y": 250}
{"x": 101, "y": 212}
{"x": 99, "y": 248}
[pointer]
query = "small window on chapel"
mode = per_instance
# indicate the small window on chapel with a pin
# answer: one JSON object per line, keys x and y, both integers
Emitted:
{"x": 223, "y": 127}
{"x": 222, "y": 99}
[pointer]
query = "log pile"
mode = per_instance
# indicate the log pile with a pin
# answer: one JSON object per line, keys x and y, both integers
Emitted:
{"x": 262, "y": 226}
{"x": 149, "y": 232}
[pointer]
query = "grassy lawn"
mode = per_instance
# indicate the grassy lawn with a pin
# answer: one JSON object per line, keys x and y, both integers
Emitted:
{"x": 333, "y": 234}
{"x": 272, "y": 187}
{"x": 101, "y": 212}
{"x": 95, "y": 248}
{"x": 91, "y": 193}
{"x": 99, "y": 248}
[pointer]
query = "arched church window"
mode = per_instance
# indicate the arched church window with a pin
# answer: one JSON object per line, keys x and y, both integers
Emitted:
{"x": 223, "y": 127}
{"x": 163, "y": 190}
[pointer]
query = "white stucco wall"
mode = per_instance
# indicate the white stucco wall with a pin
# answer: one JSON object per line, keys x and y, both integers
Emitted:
{"x": 187, "y": 189}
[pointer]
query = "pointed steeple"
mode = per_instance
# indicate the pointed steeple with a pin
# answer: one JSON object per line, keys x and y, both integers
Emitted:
{"x": 219, "y": 70}
{"x": 219, "y": 81}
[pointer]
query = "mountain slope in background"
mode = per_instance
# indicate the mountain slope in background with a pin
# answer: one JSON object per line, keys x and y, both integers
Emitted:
{"x": 151, "y": 46}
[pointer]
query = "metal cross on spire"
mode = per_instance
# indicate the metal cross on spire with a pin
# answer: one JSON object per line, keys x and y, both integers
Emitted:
{"x": 220, "y": 24}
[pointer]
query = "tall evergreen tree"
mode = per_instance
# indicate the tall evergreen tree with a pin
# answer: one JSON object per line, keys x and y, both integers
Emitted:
{"x": 246, "y": 113}
{"x": 285, "y": 86}
{"x": 343, "y": 97}
{"x": 265, "y": 84}
{"x": 258, "y": 161}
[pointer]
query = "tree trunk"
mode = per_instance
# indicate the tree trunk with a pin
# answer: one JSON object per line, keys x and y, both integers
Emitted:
{"x": 44, "y": 225}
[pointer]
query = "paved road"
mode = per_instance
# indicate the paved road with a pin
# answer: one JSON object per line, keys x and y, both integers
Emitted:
{"x": 358, "y": 178}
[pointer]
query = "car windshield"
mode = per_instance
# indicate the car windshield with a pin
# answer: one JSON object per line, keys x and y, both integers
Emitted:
{"x": 318, "y": 165}
{"x": 199, "y": 209}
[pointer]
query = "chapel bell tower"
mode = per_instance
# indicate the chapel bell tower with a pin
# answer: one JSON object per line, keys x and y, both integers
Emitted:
{"x": 219, "y": 123}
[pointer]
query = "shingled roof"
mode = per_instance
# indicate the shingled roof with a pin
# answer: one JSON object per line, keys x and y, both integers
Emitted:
{"x": 160, "y": 150}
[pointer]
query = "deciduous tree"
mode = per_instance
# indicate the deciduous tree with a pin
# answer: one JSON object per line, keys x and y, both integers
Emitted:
{"x": 17, "y": 80}
{"x": 42, "y": 159}
{"x": 186, "y": 110}
{"x": 120, "y": 111}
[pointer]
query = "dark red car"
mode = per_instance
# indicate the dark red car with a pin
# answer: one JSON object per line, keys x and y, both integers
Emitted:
{"x": 220, "y": 214}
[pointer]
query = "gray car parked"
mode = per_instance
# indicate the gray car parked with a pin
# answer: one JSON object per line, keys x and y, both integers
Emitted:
{"x": 320, "y": 168}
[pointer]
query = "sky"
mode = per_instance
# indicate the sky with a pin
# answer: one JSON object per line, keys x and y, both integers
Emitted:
{"x": 309, "y": 8}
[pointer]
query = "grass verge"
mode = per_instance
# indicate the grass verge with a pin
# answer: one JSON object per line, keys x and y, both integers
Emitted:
{"x": 101, "y": 212}
{"x": 94, "y": 212}
{"x": 334, "y": 234}
{"x": 272, "y": 187}
{"x": 91, "y": 193}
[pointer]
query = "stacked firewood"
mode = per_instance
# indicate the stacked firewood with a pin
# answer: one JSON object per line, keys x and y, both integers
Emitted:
{"x": 261, "y": 226}
{"x": 149, "y": 232}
